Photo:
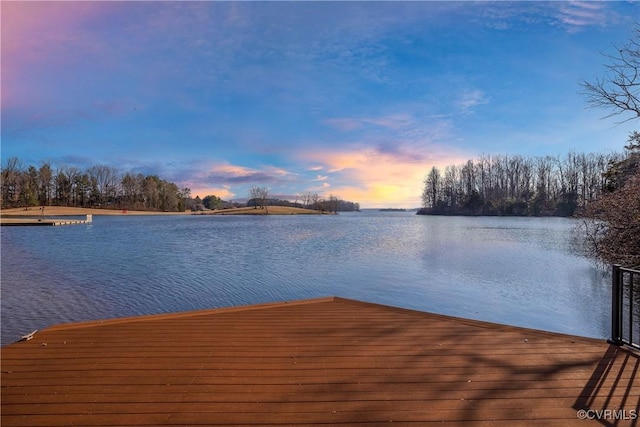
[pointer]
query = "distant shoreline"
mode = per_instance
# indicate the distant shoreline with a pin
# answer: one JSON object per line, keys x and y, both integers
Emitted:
{"x": 36, "y": 211}
{"x": 546, "y": 214}
{"x": 58, "y": 211}
{"x": 270, "y": 210}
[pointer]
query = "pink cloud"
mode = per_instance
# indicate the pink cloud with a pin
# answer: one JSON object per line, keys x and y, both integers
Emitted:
{"x": 229, "y": 174}
{"x": 224, "y": 193}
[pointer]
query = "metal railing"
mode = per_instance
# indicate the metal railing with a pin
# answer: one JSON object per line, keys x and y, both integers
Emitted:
{"x": 625, "y": 306}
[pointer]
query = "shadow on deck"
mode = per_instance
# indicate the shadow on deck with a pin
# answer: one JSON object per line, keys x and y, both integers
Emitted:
{"x": 610, "y": 396}
{"x": 319, "y": 362}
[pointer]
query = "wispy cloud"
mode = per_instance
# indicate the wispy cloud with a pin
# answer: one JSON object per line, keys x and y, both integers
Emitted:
{"x": 577, "y": 14}
{"x": 233, "y": 174}
{"x": 344, "y": 124}
{"x": 573, "y": 16}
{"x": 471, "y": 98}
{"x": 392, "y": 122}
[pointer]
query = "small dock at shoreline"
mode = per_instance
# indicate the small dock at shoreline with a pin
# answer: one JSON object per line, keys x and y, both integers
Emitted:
{"x": 328, "y": 361}
{"x": 31, "y": 221}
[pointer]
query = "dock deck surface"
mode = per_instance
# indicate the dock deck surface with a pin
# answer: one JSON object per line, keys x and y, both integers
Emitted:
{"x": 28, "y": 221}
{"x": 326, "y": 361}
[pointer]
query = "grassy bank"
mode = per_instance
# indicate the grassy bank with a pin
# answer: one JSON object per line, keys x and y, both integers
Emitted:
{"x": 272, "y": 210}
{"x": 57, "y": 211}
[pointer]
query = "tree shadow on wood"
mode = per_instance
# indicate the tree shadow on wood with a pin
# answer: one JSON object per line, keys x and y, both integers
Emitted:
{"x": 608, "y": 395}
{"x": 432, "y": 369}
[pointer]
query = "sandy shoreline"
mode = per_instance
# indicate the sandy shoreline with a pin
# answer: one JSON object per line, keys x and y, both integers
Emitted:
{"x": 57, "y": 211}
{"x": 66, "y": 211}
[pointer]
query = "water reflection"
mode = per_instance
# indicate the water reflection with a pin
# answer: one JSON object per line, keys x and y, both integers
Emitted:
{"x": 520, "y": 271}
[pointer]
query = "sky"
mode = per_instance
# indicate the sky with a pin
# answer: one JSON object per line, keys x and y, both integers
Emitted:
{"x": 352, "y": 99}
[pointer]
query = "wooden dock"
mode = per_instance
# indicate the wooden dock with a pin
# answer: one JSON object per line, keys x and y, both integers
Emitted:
{"x": 326, "y": 361}
{"x": 24, "y": 221}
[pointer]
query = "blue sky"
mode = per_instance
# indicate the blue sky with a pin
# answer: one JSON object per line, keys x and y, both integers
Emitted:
{"x": 354, "y": 99}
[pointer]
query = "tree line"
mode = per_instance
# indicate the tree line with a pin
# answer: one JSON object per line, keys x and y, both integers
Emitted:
{"x": 259, "y": 197}
{"x": 518, "y": 185}
{"x": 106, "y": 187}
{"x": 97, "y": 186}
{"x": 311, "y": 200}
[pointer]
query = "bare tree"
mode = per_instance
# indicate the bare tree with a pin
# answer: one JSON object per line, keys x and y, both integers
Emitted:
{"x": 130, "y": 191}
{"x": 10, "y": 182}
{"x": 64, "y": 184}
{"x": 260, "y": 195}
{"x": 619, "y": 90}
{"x": 452, "y": 186}
{"x": 612, "y": 224}
{"x": 184, "y": 194}
{"x": 263, "y": 196}
{"x": 151, "y": 191}
{"x": 432, "y": 185}
{"x": 106, "y": 183}
{"x": 333, "y": 203}
{"x": 253, "y": 195}
{"x": 306, "y": 199}
{"x": 314, "y": 199}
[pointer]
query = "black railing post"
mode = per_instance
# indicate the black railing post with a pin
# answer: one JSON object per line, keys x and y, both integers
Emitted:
{"x": 632, "y": 308}
{"x": 615, "y": 305}
{"x": 625, "y": 313}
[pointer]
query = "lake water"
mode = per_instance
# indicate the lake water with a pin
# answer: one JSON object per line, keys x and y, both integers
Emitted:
{"x": 517, "y": 271}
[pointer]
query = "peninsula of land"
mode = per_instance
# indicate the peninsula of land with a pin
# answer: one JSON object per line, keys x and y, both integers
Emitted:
{"x": 269, "y": 210}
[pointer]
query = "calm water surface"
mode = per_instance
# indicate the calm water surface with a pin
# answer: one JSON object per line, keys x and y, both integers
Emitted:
{"x": 518, "y": 271}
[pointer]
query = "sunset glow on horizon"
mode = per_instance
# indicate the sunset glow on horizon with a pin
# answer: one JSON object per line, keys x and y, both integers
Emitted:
{"x": 354, "y": 99}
